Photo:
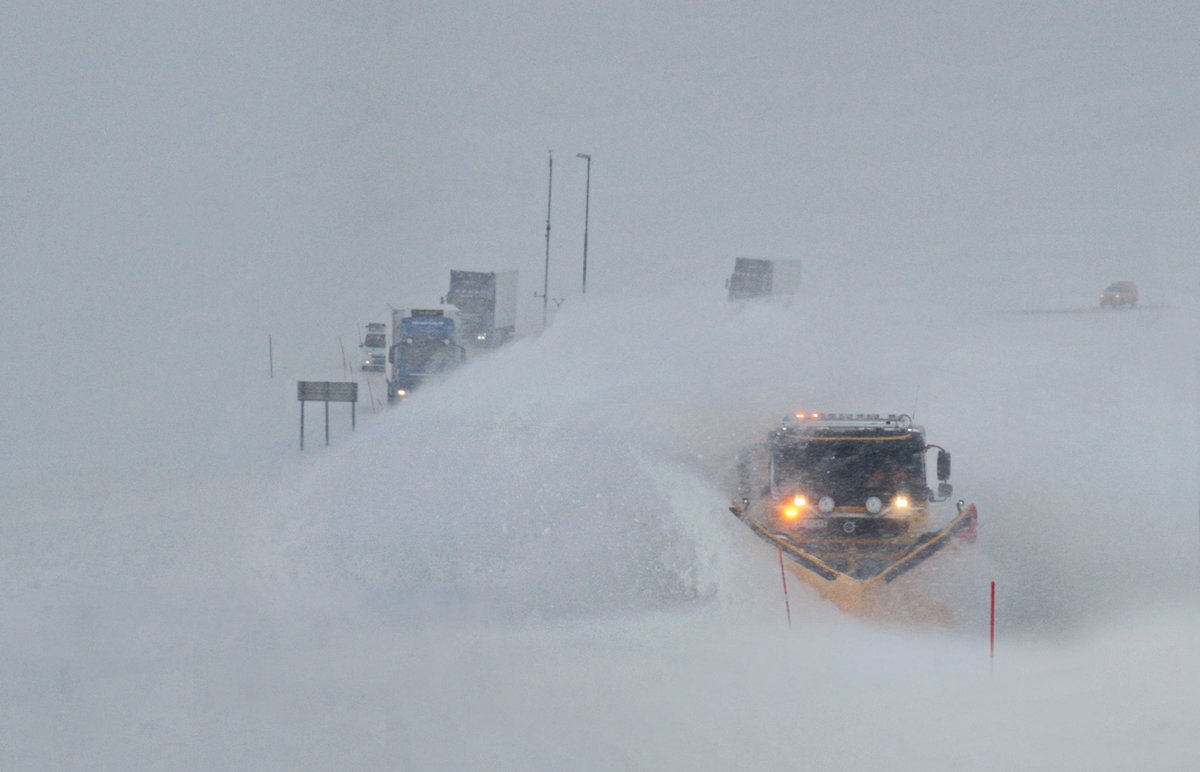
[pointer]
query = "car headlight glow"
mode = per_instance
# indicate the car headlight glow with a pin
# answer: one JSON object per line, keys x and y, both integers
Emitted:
{"x": 901, "y": 502}
{"x": 874, "y": 505}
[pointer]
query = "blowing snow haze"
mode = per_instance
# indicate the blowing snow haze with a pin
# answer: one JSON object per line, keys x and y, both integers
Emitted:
{"x": 531, "y": 565}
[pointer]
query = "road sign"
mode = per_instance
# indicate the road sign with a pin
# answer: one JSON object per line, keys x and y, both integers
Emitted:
{"x": 327, "y": 391}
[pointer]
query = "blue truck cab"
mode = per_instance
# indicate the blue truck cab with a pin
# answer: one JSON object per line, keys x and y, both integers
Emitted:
{"x": 424, "y": 346}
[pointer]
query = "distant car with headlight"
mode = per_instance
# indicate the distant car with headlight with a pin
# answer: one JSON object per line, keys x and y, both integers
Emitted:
{"x": 1119, "y": 294}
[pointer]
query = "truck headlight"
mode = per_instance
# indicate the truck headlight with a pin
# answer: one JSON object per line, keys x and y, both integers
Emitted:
{"x": 874, "y": 505}
{"x": 825, "y": 504}
{"x": 793, "y": 507}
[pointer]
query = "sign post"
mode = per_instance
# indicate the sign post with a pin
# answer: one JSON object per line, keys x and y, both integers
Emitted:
{"x": 326, "y": 391}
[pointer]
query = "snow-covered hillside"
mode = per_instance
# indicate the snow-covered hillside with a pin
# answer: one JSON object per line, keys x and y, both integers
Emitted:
{"x": 531, "y": 565}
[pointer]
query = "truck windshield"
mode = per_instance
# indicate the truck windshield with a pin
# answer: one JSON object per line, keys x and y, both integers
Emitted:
{"x": 847, "y": 469}
{"x": 375, "y": 340}
{"x": 427, "y": 355}
{"x": 746, "y": 284}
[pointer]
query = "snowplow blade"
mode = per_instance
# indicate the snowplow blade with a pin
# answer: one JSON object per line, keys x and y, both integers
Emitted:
{"x": 862, "y": 594}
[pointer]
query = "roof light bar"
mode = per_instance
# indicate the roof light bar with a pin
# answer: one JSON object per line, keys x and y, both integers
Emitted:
{"x": 891, "y": 420}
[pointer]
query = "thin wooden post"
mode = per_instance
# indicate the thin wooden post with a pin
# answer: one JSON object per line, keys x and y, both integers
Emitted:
{"x": 783, "y": 576}
{"x": 992, "y": 630}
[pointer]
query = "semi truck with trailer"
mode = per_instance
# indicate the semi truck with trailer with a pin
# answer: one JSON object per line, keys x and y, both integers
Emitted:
{"x": 487, "y": 306}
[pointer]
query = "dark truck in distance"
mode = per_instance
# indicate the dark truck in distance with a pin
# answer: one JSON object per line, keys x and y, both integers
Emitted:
{"x": 487, "y": 306}
{"x": 758, "y": 278}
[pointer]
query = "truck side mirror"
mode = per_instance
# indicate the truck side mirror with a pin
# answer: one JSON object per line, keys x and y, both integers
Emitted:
{"x": 943, "y": 465}
{"x": 944, "y": 491}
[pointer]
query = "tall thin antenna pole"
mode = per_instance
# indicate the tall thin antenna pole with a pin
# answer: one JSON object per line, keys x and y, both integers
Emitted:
{"x": 546, "y": 274}
{"x": 587, "y": 199}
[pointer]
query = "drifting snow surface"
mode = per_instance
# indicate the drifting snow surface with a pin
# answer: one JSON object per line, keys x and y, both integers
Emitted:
{"x": 531, "y": 566}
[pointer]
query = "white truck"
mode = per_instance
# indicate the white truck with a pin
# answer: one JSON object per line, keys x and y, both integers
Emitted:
{"x": 374, "y": 347}
{"x": 487, "y": 304}
{"x": 758, "y": 278}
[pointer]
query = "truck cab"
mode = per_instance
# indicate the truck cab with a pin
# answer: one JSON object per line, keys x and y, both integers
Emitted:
{"x": 838, "y": 476}
{"x": 374, "y": 347}
{"x": 424, "y": 347}
{"x": 846, "y": 498}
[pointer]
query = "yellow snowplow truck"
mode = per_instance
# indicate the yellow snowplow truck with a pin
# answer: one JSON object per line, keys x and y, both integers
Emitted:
{"x": 846, "y": 499}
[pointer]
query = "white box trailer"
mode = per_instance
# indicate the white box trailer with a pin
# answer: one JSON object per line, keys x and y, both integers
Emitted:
{"x": 504, "y": 315}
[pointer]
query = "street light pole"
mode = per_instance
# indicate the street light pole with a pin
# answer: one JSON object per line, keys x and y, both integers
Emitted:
{"x": 587, "y": 199}
{"x": 546, "y": 274}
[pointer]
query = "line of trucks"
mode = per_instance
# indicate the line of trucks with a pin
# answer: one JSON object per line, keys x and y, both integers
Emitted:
{"x": 429, "y": 343}
{"x": 846, "y": 499}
